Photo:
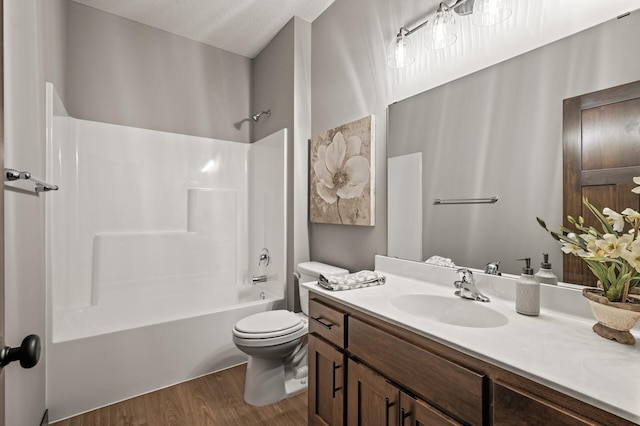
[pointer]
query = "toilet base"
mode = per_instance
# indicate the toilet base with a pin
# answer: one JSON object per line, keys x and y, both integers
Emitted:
{"x": 268, "y": 381}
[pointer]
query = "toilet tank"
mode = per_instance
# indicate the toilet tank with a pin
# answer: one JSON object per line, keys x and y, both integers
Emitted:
{"x": 309, "y": 271}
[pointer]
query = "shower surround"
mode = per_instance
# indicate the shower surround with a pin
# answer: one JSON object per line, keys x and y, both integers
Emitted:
{"x": 152, "y": 241}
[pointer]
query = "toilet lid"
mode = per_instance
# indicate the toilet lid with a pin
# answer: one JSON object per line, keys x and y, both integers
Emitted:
{"x": 279, "y": 321}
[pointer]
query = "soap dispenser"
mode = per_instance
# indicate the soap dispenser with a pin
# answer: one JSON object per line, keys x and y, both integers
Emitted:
{"x": 545, "y": 275}
{"x": 527, "y": 291}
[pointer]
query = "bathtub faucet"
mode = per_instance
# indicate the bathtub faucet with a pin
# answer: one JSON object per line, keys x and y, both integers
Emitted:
{"x": 258, "y": 279}
{"x": 263, "y": 278}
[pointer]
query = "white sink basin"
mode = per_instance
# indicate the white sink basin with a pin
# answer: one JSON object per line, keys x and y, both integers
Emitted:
{"x": 450, "y": 310}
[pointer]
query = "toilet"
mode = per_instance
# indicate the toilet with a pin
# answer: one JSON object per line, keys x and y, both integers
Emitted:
{"x": 277, "y": 345}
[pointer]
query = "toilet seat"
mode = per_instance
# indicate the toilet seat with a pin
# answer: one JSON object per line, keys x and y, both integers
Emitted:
{"x": 269, "y": 324}
{"x": 269, "y": 328}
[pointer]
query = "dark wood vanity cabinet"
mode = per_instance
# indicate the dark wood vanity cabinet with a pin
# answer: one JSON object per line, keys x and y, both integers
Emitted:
{"x": 415, "y": 412}
{"x": 326, "y": 383}
{"x": 510, "y": 403}
{"x": 327, "y": 364}
{"x": 451, "y": 387}
{"x": 374, "y": 400}
{"x": 365, "y": 371}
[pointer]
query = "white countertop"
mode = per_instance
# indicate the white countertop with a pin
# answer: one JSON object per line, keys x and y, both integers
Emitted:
{"x": 557, "y": 349}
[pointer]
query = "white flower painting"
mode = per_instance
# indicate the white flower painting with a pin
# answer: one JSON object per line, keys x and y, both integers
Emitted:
{"x": 341, "y": 184}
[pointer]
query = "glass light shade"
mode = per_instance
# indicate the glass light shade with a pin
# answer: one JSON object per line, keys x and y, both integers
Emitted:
{"x": 490, "y": 12}
{"x": 440, "y": 30}
{"x": 400, "y": 53}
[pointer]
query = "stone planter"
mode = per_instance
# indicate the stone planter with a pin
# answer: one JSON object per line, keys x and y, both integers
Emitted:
{"x": 615, "y": 319}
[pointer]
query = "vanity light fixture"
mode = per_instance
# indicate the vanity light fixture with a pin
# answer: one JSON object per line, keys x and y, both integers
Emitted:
{"x": 400, "y": 53}
{"x": 440, "y": 28}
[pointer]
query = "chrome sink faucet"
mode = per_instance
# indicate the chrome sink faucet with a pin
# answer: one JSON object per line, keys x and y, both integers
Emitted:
{"x": 467, "y": 287}
{"x": 492, "y": 268}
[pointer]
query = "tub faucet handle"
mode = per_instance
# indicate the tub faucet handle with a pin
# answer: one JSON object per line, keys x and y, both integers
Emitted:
{"x": 264, "y": 258}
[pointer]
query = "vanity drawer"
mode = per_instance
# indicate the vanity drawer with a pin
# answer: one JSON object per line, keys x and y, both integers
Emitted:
{"x": 513, "y": 407}
{"x": 452, "y": 388}
{"x": 327, "y": 322}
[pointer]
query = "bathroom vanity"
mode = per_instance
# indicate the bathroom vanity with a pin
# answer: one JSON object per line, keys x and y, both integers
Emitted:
{"x": 374, "y": 358}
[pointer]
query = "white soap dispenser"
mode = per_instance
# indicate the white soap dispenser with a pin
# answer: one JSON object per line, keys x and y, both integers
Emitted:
{"x": 545, "y": 275}
{"x": 527, "y": 291}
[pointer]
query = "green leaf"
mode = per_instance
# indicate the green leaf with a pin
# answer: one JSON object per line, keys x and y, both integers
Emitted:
{"x": 541, "y": 222}
{"x": 606, "y": 226}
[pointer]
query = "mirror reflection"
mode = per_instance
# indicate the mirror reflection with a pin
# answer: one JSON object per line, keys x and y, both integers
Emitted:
{"x": 496, "y": 133}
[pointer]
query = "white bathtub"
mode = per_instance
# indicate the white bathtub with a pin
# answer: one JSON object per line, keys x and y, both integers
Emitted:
{"x": 146, "y": 303}
{"x": 151, "y": 241}
{"x": 91, "y": 372}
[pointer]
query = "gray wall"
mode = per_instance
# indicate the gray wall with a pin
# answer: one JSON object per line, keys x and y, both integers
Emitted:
{"x": 505, "y": 138}
{"x": 279, "y": 77}
{"x": 350, "y": 79}
{"x": 272, "y": 88}
{"x": 35, "y": 49}
{"x": 346, "y": 84}
{"x": 272, "y": 84}
{"x": 123, "y": 72}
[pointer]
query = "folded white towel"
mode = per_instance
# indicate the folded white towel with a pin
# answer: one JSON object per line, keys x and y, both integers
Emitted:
{"x": 350, "y": 281}
{"x": 440, "y": 261}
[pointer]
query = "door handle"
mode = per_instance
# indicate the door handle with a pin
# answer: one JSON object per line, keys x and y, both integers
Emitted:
{"x": 28, "y": 353}
{"x": 403, "y": 415}
{"x": 388, "y": 404}
{"x": 335, "y": 367}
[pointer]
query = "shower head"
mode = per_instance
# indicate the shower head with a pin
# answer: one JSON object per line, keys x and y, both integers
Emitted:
{"x": 256, "y": 117}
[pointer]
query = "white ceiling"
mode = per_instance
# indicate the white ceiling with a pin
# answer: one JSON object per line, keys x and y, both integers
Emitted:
{"x": 244, "y": 27}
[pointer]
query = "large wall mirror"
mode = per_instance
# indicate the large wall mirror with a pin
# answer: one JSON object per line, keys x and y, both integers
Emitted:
{"x": 496, "y": 133}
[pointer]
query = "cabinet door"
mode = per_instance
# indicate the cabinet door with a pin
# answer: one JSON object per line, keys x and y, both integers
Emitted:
{"x": 371, "y": 399}
{"x": 451, "y": 387}
{"x": 326, "y": 383}
{"x": 415, "y": 412}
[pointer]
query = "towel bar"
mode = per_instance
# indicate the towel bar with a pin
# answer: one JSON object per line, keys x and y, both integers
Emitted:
{"x": 40, "y": 186}
{"x": 487, "y": 200}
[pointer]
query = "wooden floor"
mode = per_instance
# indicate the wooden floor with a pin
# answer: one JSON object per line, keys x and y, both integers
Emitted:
{"x": 216, "y": 399}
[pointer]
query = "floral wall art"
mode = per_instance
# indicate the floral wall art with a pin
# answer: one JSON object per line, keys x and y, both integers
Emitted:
{"x": 342, "y": 175}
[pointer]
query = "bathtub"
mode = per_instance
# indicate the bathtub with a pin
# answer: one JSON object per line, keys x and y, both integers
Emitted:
{"x": 151, "y": 243}
{"x": 99, "y": 369}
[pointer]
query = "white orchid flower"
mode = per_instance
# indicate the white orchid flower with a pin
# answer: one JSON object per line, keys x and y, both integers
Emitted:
{"x": 613, "y": 246}
{"x": 341, "y": 171}
{"x": 616, "y": 220}
{"x": 589, "y": 238}
{"x": 570, "y": 248}
{"x": 574, "y": 249}
{"x": 633, "y": 256}
{"x": 631, "y": 214}
{"x": 636, "y": 180}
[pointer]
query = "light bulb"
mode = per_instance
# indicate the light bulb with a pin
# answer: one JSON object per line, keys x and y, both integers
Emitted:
{"x": 440, "y": 30}
{"x": 489, "y": 12}
{"x": 400, "y": 53}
